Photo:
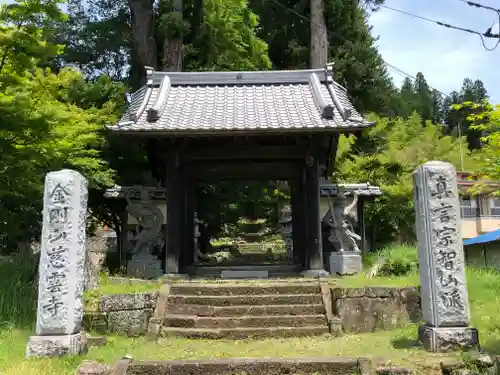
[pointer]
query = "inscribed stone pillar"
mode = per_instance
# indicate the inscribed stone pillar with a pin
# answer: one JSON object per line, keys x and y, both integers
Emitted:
{"x": 62, "y": 267}
{"x": 445, "y": 306}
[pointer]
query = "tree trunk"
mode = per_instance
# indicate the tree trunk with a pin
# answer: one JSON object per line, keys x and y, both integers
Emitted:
{"x": 173, "y": 47}
{"x": 318, "y": 51}
{"x": 143, "y": 32}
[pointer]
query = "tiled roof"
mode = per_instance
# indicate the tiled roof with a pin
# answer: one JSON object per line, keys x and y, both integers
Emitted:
{"x": 176, "y": 102}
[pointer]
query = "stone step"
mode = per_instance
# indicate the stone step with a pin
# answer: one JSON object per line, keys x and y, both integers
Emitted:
{"x": 273, "y": 269}
{"x": 231, "y": 289}
{"x": 245, "y": 333}
{"x": 263, "y": 299}
{"x": 253, "y": 366}
{"x": 186, "y": 321}
{"x": 256, "y": 310}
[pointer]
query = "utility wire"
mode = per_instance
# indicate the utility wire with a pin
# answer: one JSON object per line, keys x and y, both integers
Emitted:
{"x": 350, "y": 43}
{"x": 477, "y": 5}
{"x": 487, "y": 34}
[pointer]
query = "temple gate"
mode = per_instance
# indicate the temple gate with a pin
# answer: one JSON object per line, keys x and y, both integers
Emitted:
{"x": 268, "y": 125}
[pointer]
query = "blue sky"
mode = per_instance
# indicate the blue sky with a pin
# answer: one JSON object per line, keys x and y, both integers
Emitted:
{"x": 443, "y": 55}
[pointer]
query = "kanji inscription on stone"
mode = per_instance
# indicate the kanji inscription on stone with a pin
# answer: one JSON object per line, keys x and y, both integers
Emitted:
{"x": 440, "y": 247}
{"x": 62, "y": 257}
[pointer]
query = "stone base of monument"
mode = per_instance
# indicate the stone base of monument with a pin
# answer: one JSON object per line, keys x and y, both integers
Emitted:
{"x": 445, "y": 339}
{"x": 314, "y": 273}
{"x": 174, "y": 276}
{"x": 345, "y": 263}
{"x": 57, "y": 346}
{"x": 144, "y": 265}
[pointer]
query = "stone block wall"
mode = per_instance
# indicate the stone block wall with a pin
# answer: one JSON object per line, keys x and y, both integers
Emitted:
{"x": 127, "y": 314}
{"x": 370, "y": 309}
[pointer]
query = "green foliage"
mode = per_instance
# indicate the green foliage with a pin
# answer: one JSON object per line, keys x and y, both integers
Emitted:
{"x": 485, "y": 118}
{"x": 390, "y": 152}
{"x": 171, "y": 22}
{"x": 458, "y": 121}
{"x": 26, "y": 31}
{"x": 424, "y": 97}
{"x": 43, "y": 127}
{"x": 358, "y": 65}
{"x": 222, "y": 205}
{"x": 395, "y": 260}
{"x": 227, "y": 39}
{"x": 98, "y": 38}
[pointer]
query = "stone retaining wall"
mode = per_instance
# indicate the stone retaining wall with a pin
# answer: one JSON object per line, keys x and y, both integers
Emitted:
{"x": 370, "y": 309}
{"x": 121, "y": 313}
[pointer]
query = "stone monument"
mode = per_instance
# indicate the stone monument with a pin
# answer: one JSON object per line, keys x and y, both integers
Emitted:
{"x": 347, "y": 259}
{"x": 62, "y": 267}
{"x": 445, "y": 306}
{"x": 149, "y": 236}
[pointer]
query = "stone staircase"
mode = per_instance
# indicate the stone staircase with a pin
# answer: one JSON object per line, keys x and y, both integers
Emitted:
{"x": 240, "y": 311}
{"x": 274, "y": 270}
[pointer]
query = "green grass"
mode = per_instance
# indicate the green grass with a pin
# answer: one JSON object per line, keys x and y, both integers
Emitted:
{"x": 109, "y": 285}
{"x": 17, "y": 318}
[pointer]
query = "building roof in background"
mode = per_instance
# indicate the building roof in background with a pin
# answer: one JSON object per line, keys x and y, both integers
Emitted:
{"x": 484, "y": 238}
{"x": 176, "y": 103}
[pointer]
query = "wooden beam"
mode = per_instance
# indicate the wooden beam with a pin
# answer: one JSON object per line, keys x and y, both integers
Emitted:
{"x": 246, "y": 153}
{"x": 243, "y": 171}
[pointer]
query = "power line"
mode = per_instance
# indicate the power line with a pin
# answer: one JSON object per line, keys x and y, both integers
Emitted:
{"x": 393, "y": 67}
{"x": 487, "y": 34}
{"x": 477, "y": 5}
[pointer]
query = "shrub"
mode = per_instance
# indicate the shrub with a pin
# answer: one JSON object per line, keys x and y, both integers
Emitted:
{"x": 397, "y": 260}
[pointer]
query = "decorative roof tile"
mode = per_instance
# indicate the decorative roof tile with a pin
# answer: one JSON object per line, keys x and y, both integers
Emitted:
{"x": 363, "y": 190}
{"x": 205, "y": 102}
{"x": 326, "y": 190}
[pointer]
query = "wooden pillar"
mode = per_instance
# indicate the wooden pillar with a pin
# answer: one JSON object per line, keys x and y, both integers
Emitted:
{"x": 361, "y": 224}
{"x": 189, "y": 248}
{"x": 175, "y": 206}
{"x": 314, "y": 247}
{"x": 298, "y": 221}
{"x": 123, "y": 242}
{"x": 183, "y": 221}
